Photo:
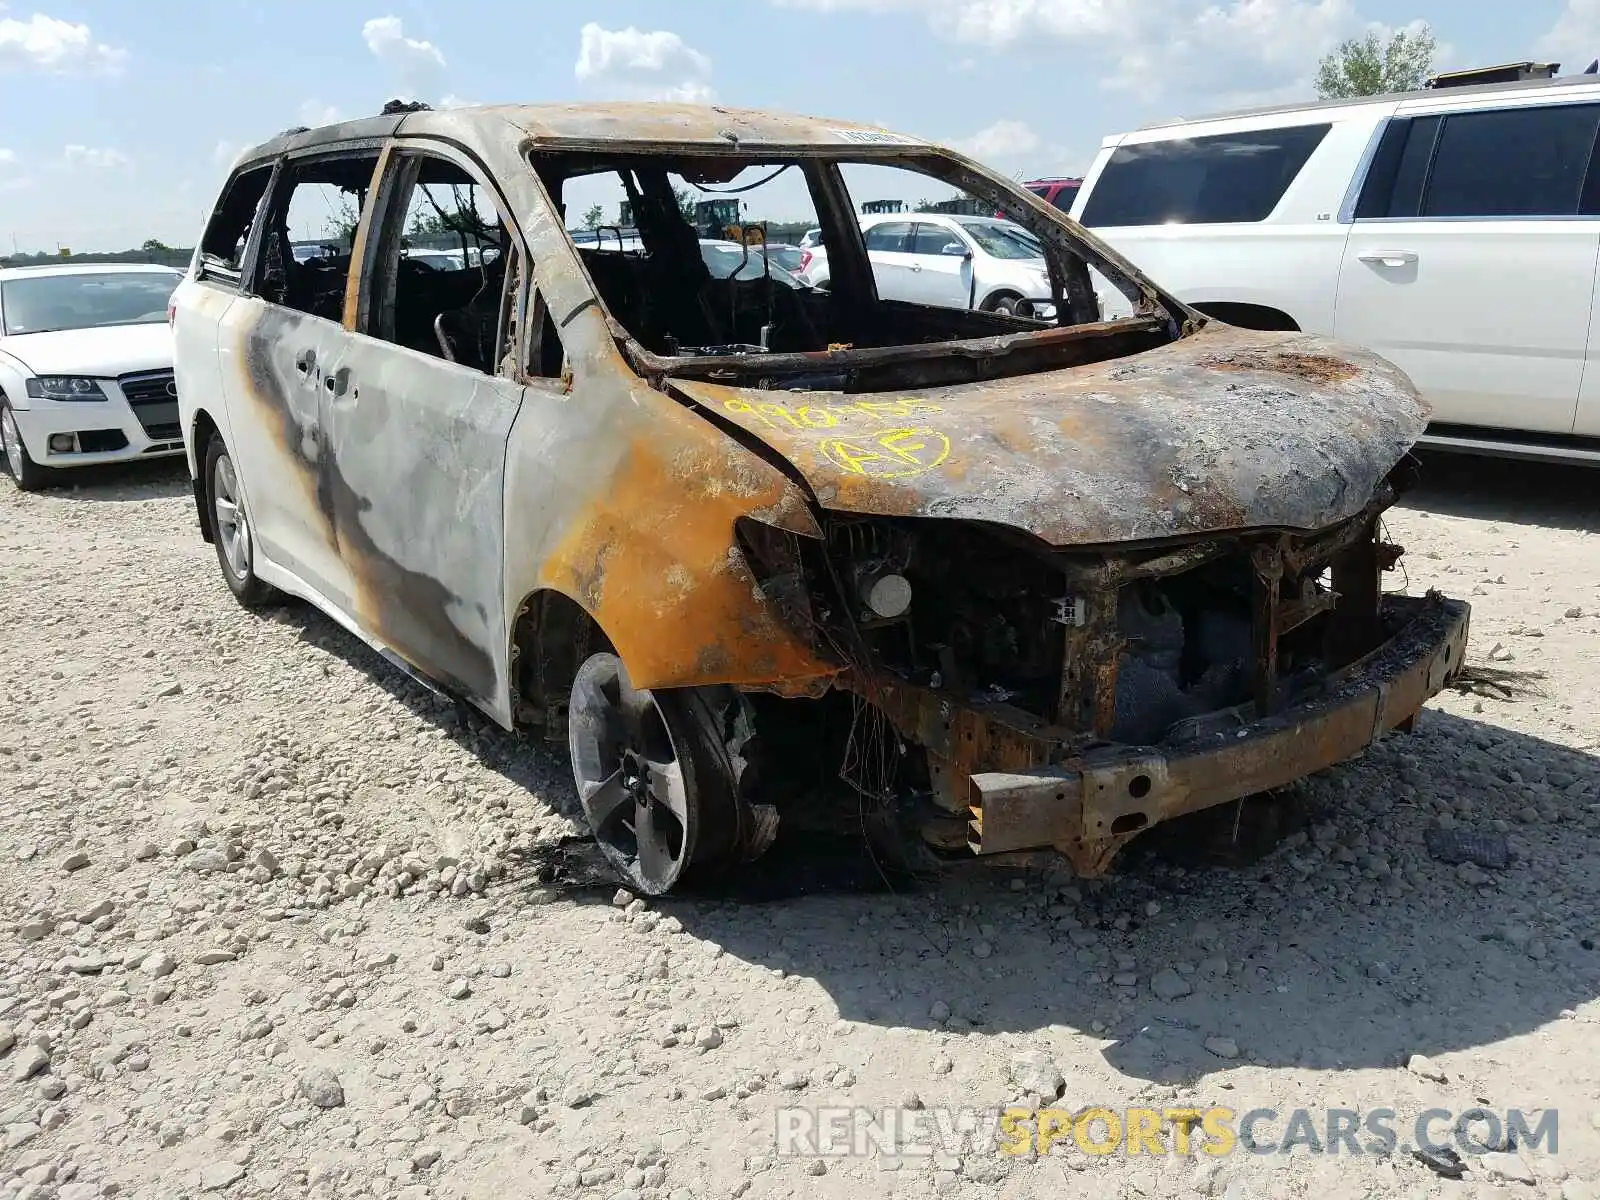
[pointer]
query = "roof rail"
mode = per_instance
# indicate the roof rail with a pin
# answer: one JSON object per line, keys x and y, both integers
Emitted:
{"x": 1505, "y": 73}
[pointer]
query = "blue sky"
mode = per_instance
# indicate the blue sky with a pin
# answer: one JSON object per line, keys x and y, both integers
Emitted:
{"x": 121, "y": 118}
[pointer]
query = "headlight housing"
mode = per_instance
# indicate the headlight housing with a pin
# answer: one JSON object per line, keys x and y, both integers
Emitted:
{"x": 65, "y": 387}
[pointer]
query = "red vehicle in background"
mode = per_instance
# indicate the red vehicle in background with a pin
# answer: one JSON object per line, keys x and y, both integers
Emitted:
{"x": 1057, "y": 192}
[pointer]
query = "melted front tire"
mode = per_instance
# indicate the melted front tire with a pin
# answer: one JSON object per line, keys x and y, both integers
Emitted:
{"x": 652, "y": 777}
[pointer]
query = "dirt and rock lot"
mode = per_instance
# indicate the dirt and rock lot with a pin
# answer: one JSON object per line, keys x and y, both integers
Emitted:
{"x": 273, "y": 922}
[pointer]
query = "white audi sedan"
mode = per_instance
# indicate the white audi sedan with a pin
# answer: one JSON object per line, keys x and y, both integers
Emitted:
{"x": 85, "y": 367}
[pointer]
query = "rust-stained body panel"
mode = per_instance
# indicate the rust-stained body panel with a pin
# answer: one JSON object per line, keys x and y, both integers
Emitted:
{"x": 434, "y": 509}
{"x": 638, "y": 503}
{"x": 1227, "y": 429}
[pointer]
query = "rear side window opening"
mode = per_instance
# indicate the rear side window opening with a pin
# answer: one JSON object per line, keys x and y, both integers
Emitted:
{"x": 635, "y": 220}
{"x": 222, "y": 246}
{"x": 320, "y": 192}
{"x": 1227, "y": 178}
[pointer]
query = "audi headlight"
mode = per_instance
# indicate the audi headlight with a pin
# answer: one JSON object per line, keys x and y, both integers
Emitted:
{"x": 65, "y": 387}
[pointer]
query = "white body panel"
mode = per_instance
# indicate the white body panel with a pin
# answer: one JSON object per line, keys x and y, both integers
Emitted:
{"x": 1489, "y": 318}
{"x": 1492, "y": 318}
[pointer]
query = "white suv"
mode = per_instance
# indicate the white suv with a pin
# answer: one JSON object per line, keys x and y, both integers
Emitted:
{"x": 1455, "y": 231}
{"x": 951, "y": 262}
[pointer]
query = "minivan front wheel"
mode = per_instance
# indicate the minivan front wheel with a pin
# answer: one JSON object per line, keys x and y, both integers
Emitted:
{"x": 230, "y": 527}
{"x": 648, "y": 776}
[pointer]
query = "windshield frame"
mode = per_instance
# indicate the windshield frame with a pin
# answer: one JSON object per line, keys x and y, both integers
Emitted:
{"x": 553, "y": 162}
{"x": 8, "y": 302}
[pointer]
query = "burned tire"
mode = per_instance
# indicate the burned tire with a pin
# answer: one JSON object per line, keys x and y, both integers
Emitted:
{"x": 230, "y": 527}
{"x": 650, "y": 778}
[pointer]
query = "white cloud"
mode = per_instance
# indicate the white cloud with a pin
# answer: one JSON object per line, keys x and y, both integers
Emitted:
{"x": 94, "y": 157}
{"x": 315, "y": 113}
{"x": 417, "y": 65}
{"x": 634, "y": 64}
{"x": 1574, "y": 40}
{"x": 1004, "y": 139}
{"x": 54, "y": 45}
{"x": 1224, "y": 49}
{"x": 224, "y": 152}
{"x": 451, "y": 100}
{"x": 8, "y": 158}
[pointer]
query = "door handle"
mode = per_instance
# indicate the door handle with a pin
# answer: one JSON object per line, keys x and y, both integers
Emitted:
{"x": 1389, "y": 258}
{"x": 915, "y": 267}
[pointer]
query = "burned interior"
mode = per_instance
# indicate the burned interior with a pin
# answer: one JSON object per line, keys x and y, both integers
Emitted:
{"x": 679, "y": 316}
{"x": 454, "y": 310}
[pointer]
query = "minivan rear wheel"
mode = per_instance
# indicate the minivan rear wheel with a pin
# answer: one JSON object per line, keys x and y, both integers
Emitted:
{"x": 230, "y": 528}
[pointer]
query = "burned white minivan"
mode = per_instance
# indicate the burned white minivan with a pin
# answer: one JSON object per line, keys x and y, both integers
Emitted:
{"x": 758, "y": 552}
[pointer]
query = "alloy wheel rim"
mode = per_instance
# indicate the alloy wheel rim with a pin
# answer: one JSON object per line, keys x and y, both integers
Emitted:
{"x": 11, "y": 440}
{"x": 630, "y": 776}
{"x": 233, "y": 524}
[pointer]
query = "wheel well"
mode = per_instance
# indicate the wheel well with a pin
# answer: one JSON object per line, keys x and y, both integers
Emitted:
{"x": 550, "y": 640}
{"x": 200, "y": 437}
{"x": 1249, "y": 316}
{"x": 1000, "y": 293}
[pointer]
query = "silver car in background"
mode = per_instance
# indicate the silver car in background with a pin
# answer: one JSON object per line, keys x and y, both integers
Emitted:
{"x": 983, "y": 263}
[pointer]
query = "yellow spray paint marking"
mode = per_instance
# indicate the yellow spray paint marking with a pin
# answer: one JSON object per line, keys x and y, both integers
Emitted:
{"x": 891, "y": 454}
{"x": 777, "y": 415}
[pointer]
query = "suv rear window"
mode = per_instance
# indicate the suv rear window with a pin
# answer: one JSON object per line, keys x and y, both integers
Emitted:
{"x": 1515, "y": 162}
{"x": 1229, "y": 177}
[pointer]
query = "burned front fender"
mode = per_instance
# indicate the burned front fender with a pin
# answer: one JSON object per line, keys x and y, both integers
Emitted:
{"x": 627, "y": 504}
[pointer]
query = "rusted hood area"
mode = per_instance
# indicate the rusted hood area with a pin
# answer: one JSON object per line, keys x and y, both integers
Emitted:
{"x": 1227, "y": 429}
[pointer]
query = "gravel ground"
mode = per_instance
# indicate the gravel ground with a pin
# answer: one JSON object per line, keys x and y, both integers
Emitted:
{"x": 273, "y": 922}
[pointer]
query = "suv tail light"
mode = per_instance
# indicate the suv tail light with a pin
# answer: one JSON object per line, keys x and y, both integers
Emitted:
{"x": 805, "y": 259}
{"x": 172, "y": 312}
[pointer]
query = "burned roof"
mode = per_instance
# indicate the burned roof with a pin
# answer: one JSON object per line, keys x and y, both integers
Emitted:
{"x": 687, "y": 123}
{"x": 640, "y": 123}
